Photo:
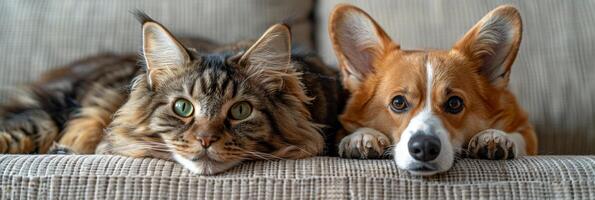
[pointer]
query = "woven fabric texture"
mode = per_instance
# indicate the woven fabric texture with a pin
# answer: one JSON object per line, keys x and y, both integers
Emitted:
{"x": 113, "y": 177}
{"x": 40, "y": 35}
{"x": 553, "y": 76}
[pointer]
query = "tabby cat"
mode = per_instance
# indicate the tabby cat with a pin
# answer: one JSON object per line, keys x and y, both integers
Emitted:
{"x": 208, "y": 108}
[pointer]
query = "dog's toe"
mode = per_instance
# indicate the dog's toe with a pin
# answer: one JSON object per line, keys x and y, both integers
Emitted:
{"x": 491, "y": 145}
{"x": 363, "y": 143}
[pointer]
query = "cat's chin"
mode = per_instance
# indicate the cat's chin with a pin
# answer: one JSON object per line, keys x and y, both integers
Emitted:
{"x": 204, "y": 166}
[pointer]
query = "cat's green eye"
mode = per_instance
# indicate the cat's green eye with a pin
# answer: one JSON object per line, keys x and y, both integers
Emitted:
{"x": 240, "y": 110}
{"x": 183, "y": 108}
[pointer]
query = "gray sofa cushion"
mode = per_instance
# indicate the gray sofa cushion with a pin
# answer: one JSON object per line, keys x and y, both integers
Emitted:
{"x": 553, "y": 76}
{"x": 113, "y": 177}
{"x": 38, "y": 35}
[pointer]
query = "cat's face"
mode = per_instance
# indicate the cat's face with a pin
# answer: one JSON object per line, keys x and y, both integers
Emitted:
{"x": 211, "y": 118}
{"x": 210, "y": 112}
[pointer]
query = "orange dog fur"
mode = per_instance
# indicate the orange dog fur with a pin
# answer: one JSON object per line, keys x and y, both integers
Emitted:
{"x": 457, "y": 98}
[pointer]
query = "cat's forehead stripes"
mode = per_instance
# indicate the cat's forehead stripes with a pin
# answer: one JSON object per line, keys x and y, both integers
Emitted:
{"x": 214, "y": 83}
{"x": 214, "y": 74}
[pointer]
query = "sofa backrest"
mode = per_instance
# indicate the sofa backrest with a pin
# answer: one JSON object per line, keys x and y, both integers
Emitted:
{"x": 38, "y": 35}
{"x": 553, "y": 76}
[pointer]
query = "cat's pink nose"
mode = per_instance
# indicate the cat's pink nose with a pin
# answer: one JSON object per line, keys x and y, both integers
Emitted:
{"x": 206, "y": 141}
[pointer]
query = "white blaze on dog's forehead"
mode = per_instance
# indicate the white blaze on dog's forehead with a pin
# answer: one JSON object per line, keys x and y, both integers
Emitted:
{"x": 429, "y": 81}
{"x": 425, "y": 122}
{"x": 425, "y": 118}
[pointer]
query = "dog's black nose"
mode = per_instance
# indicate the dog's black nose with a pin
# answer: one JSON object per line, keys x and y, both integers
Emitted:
{"x": 424, "y": 147}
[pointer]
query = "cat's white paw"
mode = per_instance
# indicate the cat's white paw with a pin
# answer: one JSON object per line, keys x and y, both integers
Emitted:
{"x": 492, "y": 144}
{"x": 363, "y": 143}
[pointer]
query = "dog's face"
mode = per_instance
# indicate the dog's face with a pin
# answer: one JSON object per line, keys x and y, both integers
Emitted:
{"x": 429, "y": 102}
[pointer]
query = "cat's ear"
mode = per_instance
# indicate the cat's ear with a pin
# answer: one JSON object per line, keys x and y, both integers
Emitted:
{"x": 161, "y": 51}
{"x": 493, "y": 44}
{"x": 268, "y": 59}
{"x": 272, "y": 49}
{"x": 358, "y": 42}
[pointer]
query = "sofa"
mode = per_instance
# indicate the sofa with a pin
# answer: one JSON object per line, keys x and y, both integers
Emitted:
{"x": 553, "y": 78}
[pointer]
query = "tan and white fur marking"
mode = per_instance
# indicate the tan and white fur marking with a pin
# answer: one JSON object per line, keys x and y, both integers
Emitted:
{"x": 434, "y": 105}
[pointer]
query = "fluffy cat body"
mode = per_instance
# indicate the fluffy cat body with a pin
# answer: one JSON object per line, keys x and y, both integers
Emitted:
{"x": 209, "y": 107}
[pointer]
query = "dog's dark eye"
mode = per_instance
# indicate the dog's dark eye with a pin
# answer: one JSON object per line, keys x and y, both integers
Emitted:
{"x": 454, "y": 105}
{"x": 399, "y": 104}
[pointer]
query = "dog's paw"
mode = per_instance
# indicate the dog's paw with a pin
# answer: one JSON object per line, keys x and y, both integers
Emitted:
{"x": 364, "y": 143}
{"x": 492, "y": 144}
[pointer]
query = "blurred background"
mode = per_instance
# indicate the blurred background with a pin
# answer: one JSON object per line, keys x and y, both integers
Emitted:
{"x": 553, "y": 76}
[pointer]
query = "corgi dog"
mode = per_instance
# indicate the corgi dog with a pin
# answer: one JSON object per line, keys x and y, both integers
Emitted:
{"x": 426, "y": 107}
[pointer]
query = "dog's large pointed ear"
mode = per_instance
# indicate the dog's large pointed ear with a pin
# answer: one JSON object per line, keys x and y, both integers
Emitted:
{"x": 161, "y": 50}
{"x": 358, "y": 42}
{"x": 269, "y": 58}
{"x": 493, "y": 44}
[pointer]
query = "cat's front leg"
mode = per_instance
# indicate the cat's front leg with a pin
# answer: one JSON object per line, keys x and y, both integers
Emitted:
{"x": 364, "y": 143}
{"x": 494, "y": 144}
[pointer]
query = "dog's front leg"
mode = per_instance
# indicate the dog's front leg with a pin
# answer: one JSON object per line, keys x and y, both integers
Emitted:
{"x": 364, "y": 143}
{"x": 495, "y": 144}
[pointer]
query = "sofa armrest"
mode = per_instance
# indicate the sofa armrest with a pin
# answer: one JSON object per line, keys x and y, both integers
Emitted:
{"x": 115, "y": 177}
